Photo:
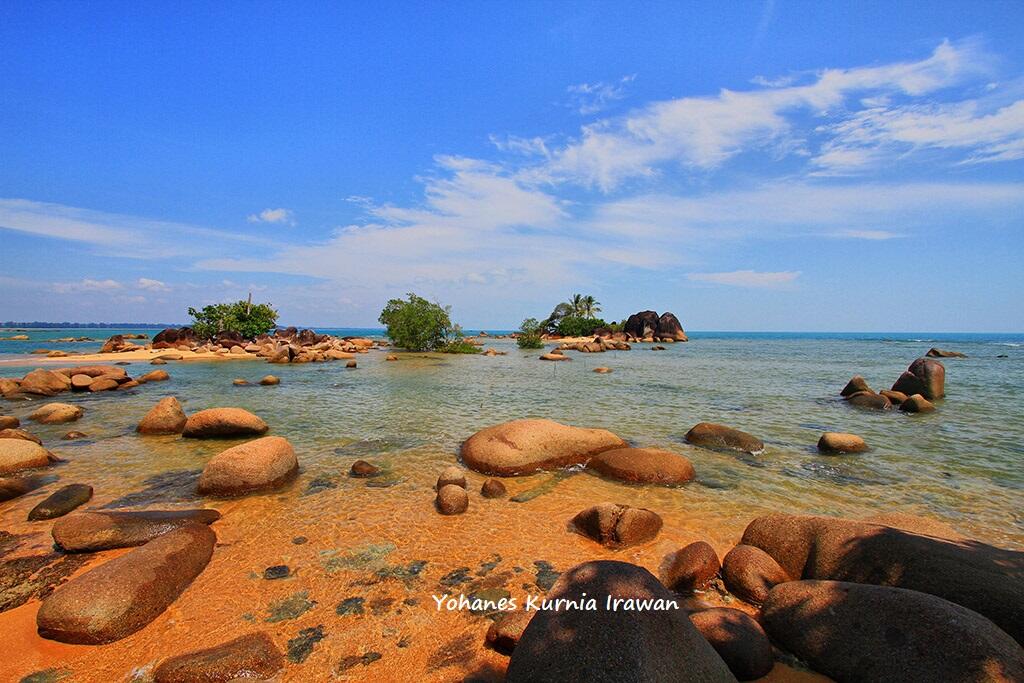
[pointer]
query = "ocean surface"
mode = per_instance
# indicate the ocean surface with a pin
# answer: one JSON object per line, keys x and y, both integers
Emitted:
{"x": 961, "y": 464}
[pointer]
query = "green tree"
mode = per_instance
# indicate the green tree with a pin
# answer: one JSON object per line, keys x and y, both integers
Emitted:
{"x": 529, "y": 334}
{"x": 578, "y": 326}
{"x": 589, "y": 307}
{"x": 420, "y": 325}
{"x": 243, "y": 317}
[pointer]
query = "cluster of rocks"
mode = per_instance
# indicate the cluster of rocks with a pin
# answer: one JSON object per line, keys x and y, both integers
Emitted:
{"x": 287, "y": 345}
{"x": 923, "y": 382}
{"x": 92, "y": 378}
{"x": 648, "y": 326}
{"x": 597, "y": 345}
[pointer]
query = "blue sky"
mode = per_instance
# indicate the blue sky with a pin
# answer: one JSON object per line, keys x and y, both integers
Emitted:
{"x": 761, "y": 166}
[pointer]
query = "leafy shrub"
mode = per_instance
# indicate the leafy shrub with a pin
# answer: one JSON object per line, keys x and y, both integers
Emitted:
{"x": 459, "y": 345}
{"x": 529, "y": 334}
{"x": 243, "y": 317}
{"x": 419, "y": 325}
{"x": 575, "y": 326}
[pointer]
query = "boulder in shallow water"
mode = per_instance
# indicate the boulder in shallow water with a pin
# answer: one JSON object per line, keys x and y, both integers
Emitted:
{"x": 856, "y": 385}
{"x": 362, "y": 469}
{"x": 44, "y": 383}
{"x": 493, "y": 488}
{"x": 604, "y": 645}
{"x": 102, "y": 384}
{"x": 978, "y": 576}
{"x": 81, "y": 382}
{"x": 895, "y": 397}
{"x": 125, "y": 594}
{"x": 669, "y": 328}
{"x": 924, "y": 376}
{"x": 869, "y": 401}
{"x": 917, "y": 404}
{"x": 252, "y": 656}
{"x": 602, "y": 370}
{"x": 691, "y": 568}
{"x": 738, "y": 639}
{"x": 554, "y": 356}
{"x": 252, "y": 466}
{"x": 852, "y": 631}
{"x": 94, "y": 530}
{"x": 270, "y": 381}
{"x": 20, "y": 434}
{"x": 9, "y": 422}
{"x": 20, "y": 454}
{"x": 451, "y": 475}
{"x": 61, "y": 502}
{"x": 527, "y": 446}
{"x": 74, "y": 435}
{"x": 940, "y": 353}
{"x": 716, "y": 436}
{"x": 154, "y": 376}
{"x": 749, "y": 573}
{"x": 56, "y": 413}
{"x": 452, "y": 499}
{"x": 12, "y": 487}
{"x": 643, "y": 465}
{"x": 841, "y": 442}
{"x": 617, "y": 526}
{"x": 166, "y": 417}
{"x": 223, "y": 423}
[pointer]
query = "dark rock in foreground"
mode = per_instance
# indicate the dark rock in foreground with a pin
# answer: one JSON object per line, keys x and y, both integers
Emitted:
{"x": 750, "y": 573}
{"x": 90, "y": 531}
{"x": 852, "y": 631}
{"x": 738, "y": 639}
{"x": 61, "y": 502}
{"x": 692, "y": 567}
{"x": 252, "y": 656}
{"x": 125, "y": 594}
{"x": 623, "y": 646}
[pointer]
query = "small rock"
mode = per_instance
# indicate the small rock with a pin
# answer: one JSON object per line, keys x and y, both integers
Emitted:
{"x": 391, "y": 357}
{"x": 917, "y": 404}
{"x": 869, "y": 401}
{"x": 270, "y": 380}
{"x": 278, "y": 571}
{"x": 81, "y": 382}
{"x": 939, "y": 353}
{"x": 9, "y": 422}
{"x": 240, "y": 382}
{"x": 158, "y": 361}
{"x": 451, "y": 475}
{"x": 56, "y": 413}
{"x": 72, "y": 435}
{"x": 602, "y": 370}
{"x": 21, "y": 454}
{"x": 617, "y": 526}
{"x": 350, "y": 364}
{"x": 692, "y": 567}
{"x": 711, "y": 435}
{"x": 61, "y": 502}
{"x": 452, "y": 500}
{"x": 249, "y": 656}
{"x": 738, "y": 639}
{"x": 555, "y": 356}
{"x": 362, "y": 469}
{"x": 493, "y": 488}
{"x": 749, "y": 573}
{"x": 166, "y": 417}
{"x": 840, "y": 442}
{"x": 154, "y": 376}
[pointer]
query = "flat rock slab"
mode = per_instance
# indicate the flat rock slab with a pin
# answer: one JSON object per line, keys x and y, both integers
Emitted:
{"x": 61, "y": 502}
{"x": 643, "y": 465}
{"x": 252, "y": 656}
{"x": 527, "y": 446}
{"x": 91, "y": 531}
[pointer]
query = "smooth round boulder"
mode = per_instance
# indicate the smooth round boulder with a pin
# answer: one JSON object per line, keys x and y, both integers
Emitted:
{"x": 528, "y": 446}
{"x": 924, "y": 376}
{"x": 20, "y": 434}
{"x": 125, "y": 594}
{"x": 716, "y": 436}
{"x": 617, "y": 526}
{"x": 451, "y": 475}
{"x": 917, "y": 404}
{"x": 493, "y": 488}
{"x": 252, "y": 466}
{"x": 92, "y": 530}
{"x": 856, "y": 385}
{"x": 102, "y": 384}
{"x": 44, "y": 383}
{"x": 616, "y": 641}
{"x": 851, "y": 631}
{"x": 270, "y": 381}
{"x": 9, "y": 422}
{"x": 691, "y": 568}
{"x": 738, "y": 639}
{"x": 166, "y": 417}
{"x": 749, "y": 573}
{"x": 154, "y": 376}
{"x": 56, "y": 413}
{"x": 869, "y": 401}
{"x": 61, "y": 502}
{"x": 21, "y": 454}
{"x": 252, "y": 656}
{"x": 643, "y": 465}
{"x": 452, "y": 499}
{"x": 81, "y": 382}
{"x": 841, "y": 442}
{"x": 214, "y": 423}
{"x": 362, "y": 469}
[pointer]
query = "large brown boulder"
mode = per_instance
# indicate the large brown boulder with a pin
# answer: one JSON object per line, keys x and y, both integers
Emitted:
{"x": 691, "y": 568}
{"x": 924, "y": 376}
{"x": 215, "y": 423}
{"x": 869, "y": 400}
{"x": 252, "y": 466}
{"x": 981, "y": 577}
{"x": 527, "y": 446}
{"x": 711, "y": 435}
{"x": 166, "y": 417}
{"x": 641, "y": 325}
{"x": 856, "y": 385}
{"x": 44, "y": 383}
{"x": 125, "y": 594}
{"x": 94, "y": 530}
{"x": 20, "y": 454}
{"x": 841, "y": 442}
{"x": 643, "y": 465}
{"x": 851, "y": 631}
{"x": 252, "y": 656}
{"x": 669, "y": 328}
{"x": 917, "y": 404}
{"x": 56, "y": 413}
{"x": 604, "y": 645}
{"x": 749, "y": 573}
{"x": 154, "y": 376}
{"x": 738, "y": 639}
{"x": 617, "y": 526}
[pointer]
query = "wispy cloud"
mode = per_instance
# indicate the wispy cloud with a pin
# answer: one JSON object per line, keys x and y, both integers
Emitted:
{"x": 747, "y": 278}
{"x": 590, "y": 98}
{"x": 284, "y": 216}
{"x": 151, "y": 285}
{"x": 87, "y": 285}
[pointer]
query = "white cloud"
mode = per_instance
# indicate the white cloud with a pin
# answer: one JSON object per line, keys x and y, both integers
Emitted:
{"x": 747, "y": 278}
{"x": 590, "y": 98}
{"x": 152, "y": 285}
{"x": 285, "y": 216}
{"x": 87, "y": 285}
{"x": 877, "y": 235}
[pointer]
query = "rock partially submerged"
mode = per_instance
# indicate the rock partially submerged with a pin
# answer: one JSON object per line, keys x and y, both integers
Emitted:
{"x": 252, "y": 656}
{"x": 56, "y": 413}
{"x": 102, "y": 530}
{"x": 852, "y": 631}
{"x": 691, "y": 568}
{"x": 856, "y": 385}
{"x": 166, "y": 417}
{"x": 125, "y": 594}
{"x": 924, "y": 376}
{"x": 940, "y": 353}
{"x": 252, "y": 466}
{"x": 716, "y": 436}
{"x": 20, "y": 454}
{"x": 738, "y": 639}
{"x": 643, "y": 465}
{"x": 841, "y": 442}
{"x": 869, "y": 400}
{"x": 917, "y": 404}
{"x": 493, "y": 488}
{"x": 361, "y": 470}
{"x": 61, "y": 502}
{"x": 216, "y": 423}
{"x": 606, "y": 645}
{"x": 527, "y": 446}
{"x": 20, "y": 434}
{"x": 617, "y": 526}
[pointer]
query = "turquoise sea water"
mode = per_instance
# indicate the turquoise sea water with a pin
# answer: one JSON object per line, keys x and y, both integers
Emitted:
{"x": 962, "y": 463}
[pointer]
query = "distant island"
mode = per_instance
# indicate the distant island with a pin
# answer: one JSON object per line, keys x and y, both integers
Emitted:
{"x": 37, "y": 324}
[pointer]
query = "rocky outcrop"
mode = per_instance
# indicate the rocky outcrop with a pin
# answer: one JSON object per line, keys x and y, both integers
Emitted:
{"x": 669, "y": 328}
{"x": 738, "y": 639}
{"x": 691, "y": 568}
{"x": 527, "y": 446}
{"x": 605, "y": 645}
{"x": 643, "y": 465}
{"x": 252, "y": 656}
{"x": 214, "y": 423}
{"x": 252, "y": 466}
{"x": 175, "y": 337}
{"x": 118, "y": 344}
{"x": 41, "y": 382}
{"x": 20, "y": 454}
{"x": 642, "y": 325}
{"x": 617, "y": 526}
{"x": 977, "y": 576}
{"x": 841, "y": 442}
{"x": 924, "y": 376}
{"x": 166, "y": 417}
{"x": 94, "y": 530}
{"x": 61, "y": 502}
{"x": 125, "y": 594}
{"x": 851, "y": 631}
{"x": 716, "y": 436}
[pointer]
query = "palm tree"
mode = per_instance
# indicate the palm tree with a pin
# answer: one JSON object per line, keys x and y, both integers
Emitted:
{"x": 589, "y": 307}
{"x": 576, "y": 302}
